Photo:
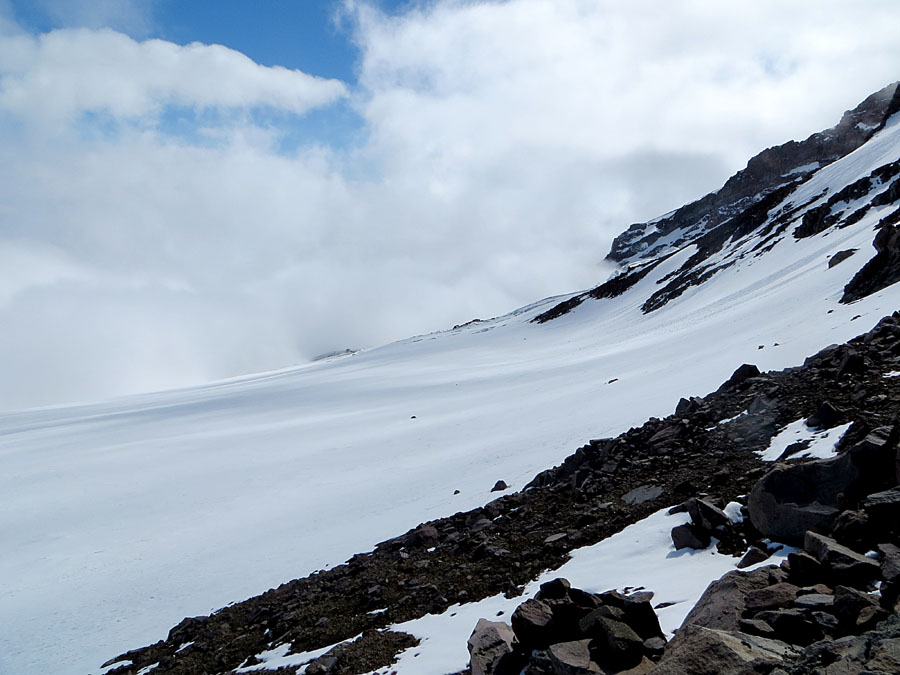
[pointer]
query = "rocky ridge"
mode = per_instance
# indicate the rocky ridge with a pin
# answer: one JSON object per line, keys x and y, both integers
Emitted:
{"x": 706, "y": 450}
{"x": 758, "y": 207}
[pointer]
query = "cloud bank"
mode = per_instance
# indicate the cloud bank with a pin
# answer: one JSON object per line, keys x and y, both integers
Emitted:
{"x": 502, "y": 146}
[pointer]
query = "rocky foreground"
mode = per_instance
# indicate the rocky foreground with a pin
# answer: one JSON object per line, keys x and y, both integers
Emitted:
{"x": 832, "y": 607}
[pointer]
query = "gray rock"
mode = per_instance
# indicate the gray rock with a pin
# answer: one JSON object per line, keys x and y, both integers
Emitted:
{"x": 757, "y": 627}
{"x": 572, "y": 658}
{"x": 792, "y": 625}
{"x": 500, "y": 486}
{"x": 705, "y": 515}
{"x": 885, "y": 656}
{"x": 489, "y": 644}
{"x": 722, "y": 603}
{"x": 532, "y": 623}
{"x": 890, "y": 563}
{"x": 696, "y": 650}
{"x": 641, "y": 494}
{"x": 883, "y": 508}
{"x": 615, "y": 645}
{"x": 791, "y": 500}
{"x": 555, "y": 589}
{"x": 753, "y": 556}
{"x": 743, "y": 373}
{"x": 770, "y": 597}
{"x": 804, "y": 569}
{"x": 843, "y": 564}
{"x": 815, "y": 601}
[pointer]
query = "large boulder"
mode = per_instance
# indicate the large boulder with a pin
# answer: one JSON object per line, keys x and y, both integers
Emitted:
{"x": 791, "y": 500}
{"x": 722, "y": 603}
{"x": 490, "y": 643}
{"x": 533, "y": 624}
{"x": 696, "y": 650}
{"x": 843, "y": 565}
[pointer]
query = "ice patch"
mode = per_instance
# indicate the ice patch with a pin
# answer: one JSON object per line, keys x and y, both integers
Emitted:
{"x": 821, "y": 442}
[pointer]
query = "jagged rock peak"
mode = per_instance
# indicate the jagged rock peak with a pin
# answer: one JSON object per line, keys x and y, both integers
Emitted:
{"x": 771, "y": 169}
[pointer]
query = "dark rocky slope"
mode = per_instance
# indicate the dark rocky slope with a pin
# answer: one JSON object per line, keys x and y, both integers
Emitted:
{"x": 604, "y": 486}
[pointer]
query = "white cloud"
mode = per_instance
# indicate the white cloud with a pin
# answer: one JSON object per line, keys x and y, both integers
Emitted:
{"x": 58, "y": 75}
{"x": 506, "y": 144}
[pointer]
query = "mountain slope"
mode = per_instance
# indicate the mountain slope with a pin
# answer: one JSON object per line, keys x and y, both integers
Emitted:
{"x": 123, "y": 517}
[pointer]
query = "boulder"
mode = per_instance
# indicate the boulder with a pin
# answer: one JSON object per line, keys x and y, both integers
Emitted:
{"x": 791, "y": 500}
{"x": 890, "y": 562}
{"x": 826, "y": 416}
{"x": 754, "y": 555}
{"x": 843, "y": 565}
{"x": 885, "y": 656}
{"x": 490, "y": 643}
{"x": 722, "y": 603}
{"x": 770, "y": 597}
{"x": 705, "y": 515}
{"x": 696, "y": 650}
{"x": 883, "y": 509}
{"x": 555, "y": 589}
{"x": 690, "y": 536}
{"x": 615, "y": 645}
{"x": 572, "y": 658}
{"x": 739, "y": 376}
{"x": 804, "y": 569}
{"x": 792, "y": 626}
{"x": 637, "y": 612}
{"x": 532, "y": 623}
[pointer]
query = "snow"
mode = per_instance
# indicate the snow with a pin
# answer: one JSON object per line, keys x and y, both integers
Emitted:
{"x": 639, "y": 557}
{"x": 806, "y": 168}
{"x": 821, "y": 442}
{"x": 122, "y": 517}
{"x": 278, "y": 657}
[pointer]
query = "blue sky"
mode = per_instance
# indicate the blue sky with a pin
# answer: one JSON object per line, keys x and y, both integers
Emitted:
{"x": 301, "y": 34}
{"x": 257, "y": 185}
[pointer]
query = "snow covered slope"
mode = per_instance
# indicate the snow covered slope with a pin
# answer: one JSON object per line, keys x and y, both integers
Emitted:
{"x": 122, "y": 517}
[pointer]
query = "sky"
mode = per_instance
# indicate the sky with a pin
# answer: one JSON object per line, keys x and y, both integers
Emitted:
{"x": 192, "y": 190}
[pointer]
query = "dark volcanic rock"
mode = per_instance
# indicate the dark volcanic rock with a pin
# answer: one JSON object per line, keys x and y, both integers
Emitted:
{"x": 696, "y": 650}
{"x": 533, "y": 623}
{"x": 722, "y": 603}
{"x": 791, "y": 500}
{"x": 843, "y": 565}
{"x": 690, "y": 536}
{"x": 490, "y": 643}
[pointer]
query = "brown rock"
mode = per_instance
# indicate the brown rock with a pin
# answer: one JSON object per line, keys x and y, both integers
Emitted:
{"x": 722, "y": 603}
{"x": 779, "y": 595}
{"x": 696, "y": 650}
{"x": 489, "y": 644}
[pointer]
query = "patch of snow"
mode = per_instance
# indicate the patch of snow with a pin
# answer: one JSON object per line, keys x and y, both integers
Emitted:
{"x": 147, "y": 669}
{"x": 184, "y": 646}
{"x": 806, "y": 168}
{"x": 821, "y": 442}
{"x": 278, "y": 657}
{"x": 893, "y": 373}
{"x": 733, "y": 511}
{"x": 866, "y": 127}
{"x": 117, "y": 664}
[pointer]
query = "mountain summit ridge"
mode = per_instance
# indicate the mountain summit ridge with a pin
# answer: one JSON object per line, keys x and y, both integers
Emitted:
{"x": 772, "y": 168}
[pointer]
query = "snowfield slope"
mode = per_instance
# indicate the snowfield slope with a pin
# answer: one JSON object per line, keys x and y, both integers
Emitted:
{"x": 120, "y": 518}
